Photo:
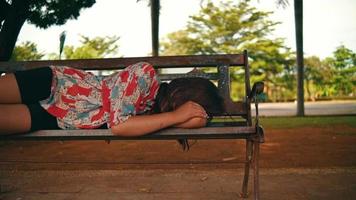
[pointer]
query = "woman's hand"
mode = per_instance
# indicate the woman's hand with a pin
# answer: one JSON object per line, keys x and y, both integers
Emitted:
{"x": 188, "y": 111}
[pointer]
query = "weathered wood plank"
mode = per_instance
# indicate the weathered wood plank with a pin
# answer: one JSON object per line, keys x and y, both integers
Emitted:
{"x": 167, "y": 77}
{"x": 105, "y": 134}
{"x": 120, "y": 63}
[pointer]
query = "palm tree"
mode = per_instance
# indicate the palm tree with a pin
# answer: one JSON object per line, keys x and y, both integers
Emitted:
{"x": 155, "y": 6}
{"x": 298, "y": 17}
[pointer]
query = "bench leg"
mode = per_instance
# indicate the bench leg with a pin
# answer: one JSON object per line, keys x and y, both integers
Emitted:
{"x": 256, "y": 152}
{"x": 248, "y": 160}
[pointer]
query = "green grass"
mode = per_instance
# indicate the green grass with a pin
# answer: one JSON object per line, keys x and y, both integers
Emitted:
{"x": 296, "y": 122}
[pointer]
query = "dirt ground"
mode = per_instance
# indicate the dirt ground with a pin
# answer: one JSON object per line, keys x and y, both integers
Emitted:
{"x": 294, "y": 148}
{"x": 301, "y": 163}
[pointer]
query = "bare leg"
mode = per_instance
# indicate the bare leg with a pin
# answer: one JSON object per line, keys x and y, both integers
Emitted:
{"x": 14, "y": 118}
{"x": 9, "y": 90}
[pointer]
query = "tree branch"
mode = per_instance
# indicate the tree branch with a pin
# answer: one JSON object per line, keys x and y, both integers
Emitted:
{"x": 4, "y": 8}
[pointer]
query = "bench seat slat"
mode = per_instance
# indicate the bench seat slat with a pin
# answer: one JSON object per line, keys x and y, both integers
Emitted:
{"x": 105, "y": 134}
{"x": 210, "y": 76}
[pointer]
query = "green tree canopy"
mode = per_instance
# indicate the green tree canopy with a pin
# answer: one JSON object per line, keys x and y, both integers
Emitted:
{"x": 317, "y": 76}
{"x": 42, "y": 13}
{"x": 26, "y": 51}
{"x": 231, "y": 27}
{"x": 335, "y": 76}
{"x": 344, "y": 58}
{"x": 98, "y": 47}
{"x": 344, "y": 71}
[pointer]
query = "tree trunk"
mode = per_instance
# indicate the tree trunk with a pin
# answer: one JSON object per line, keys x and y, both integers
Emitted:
{"x": 155, "y": 7}
{"x": 11, "y": 27}
{"x": 298, "y": 15}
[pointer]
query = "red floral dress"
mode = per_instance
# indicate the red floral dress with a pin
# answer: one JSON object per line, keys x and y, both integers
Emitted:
{"x": 79, "y": 99}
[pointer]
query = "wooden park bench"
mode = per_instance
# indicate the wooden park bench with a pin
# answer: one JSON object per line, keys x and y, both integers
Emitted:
{"x": 238, "y": 124}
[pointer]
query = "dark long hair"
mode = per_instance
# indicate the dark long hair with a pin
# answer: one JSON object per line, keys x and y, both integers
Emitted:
{"x": 200, "y": 90}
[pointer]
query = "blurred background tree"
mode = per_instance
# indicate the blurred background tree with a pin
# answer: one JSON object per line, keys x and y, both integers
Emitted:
{"x": 333, "y": 76}
{"x": 41, "y": 13}
{"x": 26, "y": 51}
{"x": 343, "y": 66}
{"x": 231, "y": 27}
{"x": 98, "y": 47}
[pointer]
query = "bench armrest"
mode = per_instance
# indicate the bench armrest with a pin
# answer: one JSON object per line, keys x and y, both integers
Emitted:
{"x": 257, "y": 89}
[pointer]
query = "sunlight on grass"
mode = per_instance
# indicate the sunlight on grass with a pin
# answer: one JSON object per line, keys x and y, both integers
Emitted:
{"x": 296, "y": 122}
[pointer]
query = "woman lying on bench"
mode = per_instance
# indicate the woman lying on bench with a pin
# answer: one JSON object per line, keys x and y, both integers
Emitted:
{"x": 131, "y": 102}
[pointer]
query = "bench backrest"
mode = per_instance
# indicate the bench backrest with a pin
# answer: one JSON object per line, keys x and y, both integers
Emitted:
{"x": 223, "y": 63}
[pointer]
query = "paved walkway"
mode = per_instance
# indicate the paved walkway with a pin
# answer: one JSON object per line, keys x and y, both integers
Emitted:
{"x": 334, "y": 183}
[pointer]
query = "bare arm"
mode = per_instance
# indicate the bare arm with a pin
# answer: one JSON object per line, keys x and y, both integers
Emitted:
{"x": 196, "y": 122}
{"x": 144, "y": 124}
